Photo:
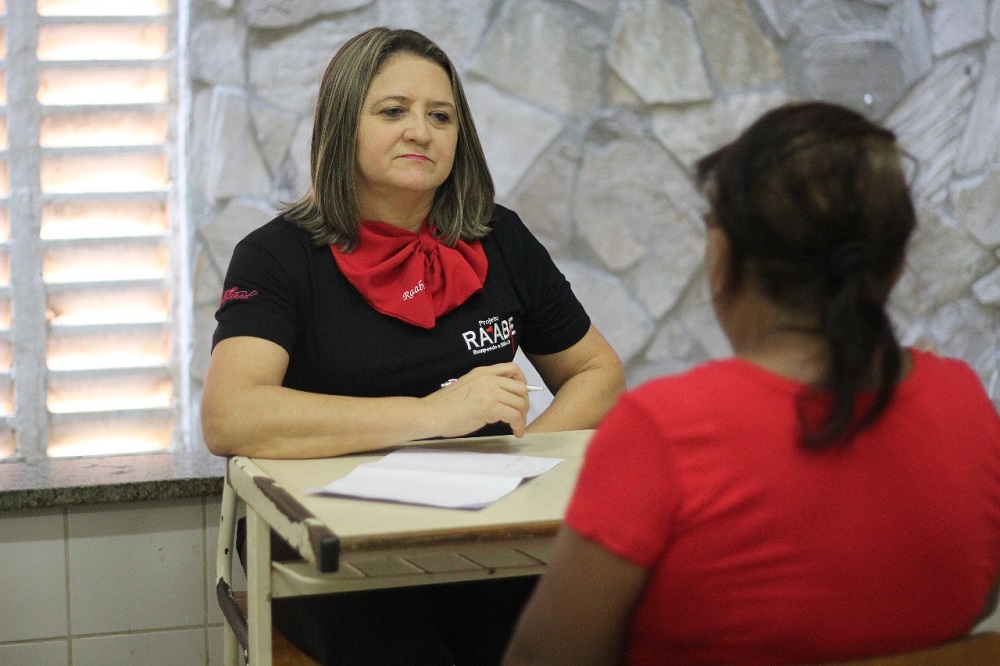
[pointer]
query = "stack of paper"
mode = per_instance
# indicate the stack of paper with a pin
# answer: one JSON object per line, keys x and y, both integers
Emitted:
{"x": 435, "y": 477}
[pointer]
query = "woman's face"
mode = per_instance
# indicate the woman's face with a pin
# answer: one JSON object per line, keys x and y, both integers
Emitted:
{"x": 407, "y": 133}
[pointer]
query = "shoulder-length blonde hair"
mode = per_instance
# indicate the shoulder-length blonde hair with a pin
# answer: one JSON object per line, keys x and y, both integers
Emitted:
{"x": 463, "y": 203}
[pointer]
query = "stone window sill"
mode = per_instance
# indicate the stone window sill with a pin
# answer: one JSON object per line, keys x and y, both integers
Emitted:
{"x": 135, "y": 478}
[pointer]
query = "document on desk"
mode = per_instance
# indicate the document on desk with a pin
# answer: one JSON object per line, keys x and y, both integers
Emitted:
{"x": 435, "y": 477}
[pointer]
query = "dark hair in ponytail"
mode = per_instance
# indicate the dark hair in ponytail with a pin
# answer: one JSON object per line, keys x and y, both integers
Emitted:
{"x": 814, "y": 203}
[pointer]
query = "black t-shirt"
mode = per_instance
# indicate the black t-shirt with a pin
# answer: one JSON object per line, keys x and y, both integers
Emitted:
{"x": 282, "y": 288}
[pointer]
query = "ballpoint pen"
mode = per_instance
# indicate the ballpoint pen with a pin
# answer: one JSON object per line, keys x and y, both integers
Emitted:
{"x": 531, "y": 387}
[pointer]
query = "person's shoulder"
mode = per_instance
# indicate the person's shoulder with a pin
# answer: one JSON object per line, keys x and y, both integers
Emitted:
{"x": 506, "y": 224}
{"x": 278, "y": 237}
{"x": 929, "y": 367}
{"x": 512, "y": 235}
{"x": 686, "y": 404}
{"x": 277, "y": 228}
{"x": 692, "y": 387}
{"x": 949, "y": 384}
{"x": 501, "y": 212}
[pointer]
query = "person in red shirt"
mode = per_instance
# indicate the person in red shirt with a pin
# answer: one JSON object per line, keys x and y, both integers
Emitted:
{"x": 825, "y": 494}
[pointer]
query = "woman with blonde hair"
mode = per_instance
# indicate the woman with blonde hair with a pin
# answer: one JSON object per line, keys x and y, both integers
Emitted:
{"x": 386, "y": 306}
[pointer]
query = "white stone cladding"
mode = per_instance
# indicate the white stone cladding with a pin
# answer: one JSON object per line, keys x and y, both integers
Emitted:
{"x": 592, "y": 113}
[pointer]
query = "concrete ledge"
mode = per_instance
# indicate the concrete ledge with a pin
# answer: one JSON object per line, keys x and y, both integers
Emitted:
{"x": 133, "y": 478}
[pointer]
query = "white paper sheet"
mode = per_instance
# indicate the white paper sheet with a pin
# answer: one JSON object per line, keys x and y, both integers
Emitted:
{"x": 434, "y": 477}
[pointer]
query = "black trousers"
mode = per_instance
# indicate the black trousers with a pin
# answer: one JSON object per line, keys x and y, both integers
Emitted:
{"x": 461, "y": 624}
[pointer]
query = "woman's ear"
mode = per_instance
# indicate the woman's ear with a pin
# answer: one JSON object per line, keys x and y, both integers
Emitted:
{"x": 717, "y": 255}
{"x": 897, "y": 272}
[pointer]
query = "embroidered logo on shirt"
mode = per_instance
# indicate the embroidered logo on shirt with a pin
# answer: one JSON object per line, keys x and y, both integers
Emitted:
{"x": 412, "y": 293}
{"x": 493, "y": 333}
{"x": 236, "y": 294}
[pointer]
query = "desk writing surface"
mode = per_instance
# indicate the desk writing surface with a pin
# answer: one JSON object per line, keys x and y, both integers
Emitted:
{"x": 389, "y": 545}
{"x": 535, "y": 507}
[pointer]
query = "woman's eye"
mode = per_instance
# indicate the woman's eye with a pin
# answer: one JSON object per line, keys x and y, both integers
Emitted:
{"x": 392, "y": 112}
{"x": 441, "y": 117}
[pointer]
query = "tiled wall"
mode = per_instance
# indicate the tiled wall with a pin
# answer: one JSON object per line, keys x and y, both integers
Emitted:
{"x": 116, "y": 585}
{"x": 109, "y": 585}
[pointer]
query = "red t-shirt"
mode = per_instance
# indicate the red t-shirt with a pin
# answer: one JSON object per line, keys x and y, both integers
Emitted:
{"x": 763, "y": 552}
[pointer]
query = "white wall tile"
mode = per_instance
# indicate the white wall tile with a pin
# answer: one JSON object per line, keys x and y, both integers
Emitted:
{"x": 159, "y": 648}
{"x": 49, "y": 653}
{"x": 136, "y": 566}
{"x": 32, "y": 575}
{"x": 216, "y": 647}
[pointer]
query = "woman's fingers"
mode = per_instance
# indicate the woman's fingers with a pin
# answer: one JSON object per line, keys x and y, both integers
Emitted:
{"x": 485, "y": 395}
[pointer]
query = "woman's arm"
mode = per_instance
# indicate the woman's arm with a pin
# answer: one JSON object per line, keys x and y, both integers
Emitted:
{"x": 585, "y": 380}
{"x": 246, "y": 411}
{"x": 580, "y": 611}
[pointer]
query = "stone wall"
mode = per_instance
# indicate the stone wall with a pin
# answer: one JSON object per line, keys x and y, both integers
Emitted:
{"x": 591, "y": 114}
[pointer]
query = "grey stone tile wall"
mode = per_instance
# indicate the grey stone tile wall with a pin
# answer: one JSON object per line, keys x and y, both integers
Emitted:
{"x": 592, "y": 113}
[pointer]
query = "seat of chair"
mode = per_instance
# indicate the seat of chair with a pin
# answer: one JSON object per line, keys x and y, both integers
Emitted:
{"x": 982, "y": 649}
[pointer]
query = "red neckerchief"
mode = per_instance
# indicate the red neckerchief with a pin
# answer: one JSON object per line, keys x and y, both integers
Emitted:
{"x": 412, "y": 276}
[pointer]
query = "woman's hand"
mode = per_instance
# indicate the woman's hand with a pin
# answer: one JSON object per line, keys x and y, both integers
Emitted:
{"x": 489, "y": 394}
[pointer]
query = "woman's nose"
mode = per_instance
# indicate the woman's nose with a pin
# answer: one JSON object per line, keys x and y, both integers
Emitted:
{"x": 417, "y": 130}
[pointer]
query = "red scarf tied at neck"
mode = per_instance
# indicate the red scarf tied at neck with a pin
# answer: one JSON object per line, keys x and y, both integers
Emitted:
{"x": 412, "y": 276}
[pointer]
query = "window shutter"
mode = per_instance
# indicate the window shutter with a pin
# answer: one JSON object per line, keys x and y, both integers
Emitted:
{"x": 89, "y": 342}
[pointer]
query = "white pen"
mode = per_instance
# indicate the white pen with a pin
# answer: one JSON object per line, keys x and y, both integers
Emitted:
{"x": 531, "y": 387}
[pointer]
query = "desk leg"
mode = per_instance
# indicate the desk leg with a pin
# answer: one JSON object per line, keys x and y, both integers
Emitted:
{"x": 230, "y": 646}
{"x": 259, "y": 588}
{"x": 224, "y": 570}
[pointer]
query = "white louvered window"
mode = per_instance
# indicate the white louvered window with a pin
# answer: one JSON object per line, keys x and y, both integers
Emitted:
{"x": 85, "y": 245}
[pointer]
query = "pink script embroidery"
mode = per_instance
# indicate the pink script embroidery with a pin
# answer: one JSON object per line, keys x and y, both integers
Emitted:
{"x": 236, "y": 294}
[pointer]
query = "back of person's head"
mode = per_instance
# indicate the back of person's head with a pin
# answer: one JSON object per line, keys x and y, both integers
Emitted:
{"x": 815, "y": 206}
{"x": 462, "y": 205}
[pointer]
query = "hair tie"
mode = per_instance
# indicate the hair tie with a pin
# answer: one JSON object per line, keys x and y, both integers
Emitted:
{"x": 849, "y": 259}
